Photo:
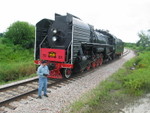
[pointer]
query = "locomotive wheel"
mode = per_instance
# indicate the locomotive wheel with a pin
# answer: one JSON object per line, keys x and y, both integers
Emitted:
{"x": 88, "y": 67}
{"x": 113, "y": 56}
{"x": 93, "y": 64}
{"x": 67, "y": 73}
{"x": 97, "y": 63}
{"x": 101, "y": 59}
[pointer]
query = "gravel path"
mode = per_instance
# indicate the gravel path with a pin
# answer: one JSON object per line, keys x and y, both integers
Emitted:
{"x": 67, "y": 94}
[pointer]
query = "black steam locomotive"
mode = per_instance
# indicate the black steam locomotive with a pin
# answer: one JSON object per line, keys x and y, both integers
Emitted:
{"x": 71, "y": 46}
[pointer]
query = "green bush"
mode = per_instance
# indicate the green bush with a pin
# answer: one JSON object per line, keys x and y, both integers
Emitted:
{"x": 21, "y": 33}
{"x": 15, "y": 61}
{"x": 16, "y": 52}
{"x": 138, "y": 80}
{"x": 5, "y": 41}
{"x": 13, "y": 71}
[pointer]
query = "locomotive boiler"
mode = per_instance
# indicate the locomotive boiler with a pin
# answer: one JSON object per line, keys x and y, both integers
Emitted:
{"x": 71, "y": 46}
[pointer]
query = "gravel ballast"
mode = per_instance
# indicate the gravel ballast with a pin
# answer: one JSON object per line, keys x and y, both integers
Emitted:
{"x": 61, "y": 97}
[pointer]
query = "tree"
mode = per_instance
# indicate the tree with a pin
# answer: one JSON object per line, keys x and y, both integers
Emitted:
{"x": 1, "y": 34}
{"x": 21, "y": 33}
{"x": 144, "y": 39}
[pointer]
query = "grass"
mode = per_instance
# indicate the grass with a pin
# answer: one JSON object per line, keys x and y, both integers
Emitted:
{"x": 17, "y": 79}
{"x": 15, "y": 62}
{"x": 129, "y": 83}
{"x": 14, "y": 71}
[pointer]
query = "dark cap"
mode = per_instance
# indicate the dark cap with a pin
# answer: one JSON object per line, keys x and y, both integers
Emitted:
{"x": 44, "y": 62}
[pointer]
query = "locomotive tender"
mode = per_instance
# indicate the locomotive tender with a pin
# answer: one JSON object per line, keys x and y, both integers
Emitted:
{"x": 71, "y": 46}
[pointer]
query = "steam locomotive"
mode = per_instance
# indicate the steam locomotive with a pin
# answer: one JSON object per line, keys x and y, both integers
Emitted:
{"x": 70, "y": 46}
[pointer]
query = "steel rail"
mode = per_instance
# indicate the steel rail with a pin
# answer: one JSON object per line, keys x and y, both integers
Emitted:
{"x": 17, "y": 84}
{"x": 4, "y": 102}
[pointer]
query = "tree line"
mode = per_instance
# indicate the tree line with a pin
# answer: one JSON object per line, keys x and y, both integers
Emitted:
{"x": 144, "y": 42}
{"x": 20, "y": 33}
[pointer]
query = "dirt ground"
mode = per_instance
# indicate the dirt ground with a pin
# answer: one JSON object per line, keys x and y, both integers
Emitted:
{"x": 139, "y": 106}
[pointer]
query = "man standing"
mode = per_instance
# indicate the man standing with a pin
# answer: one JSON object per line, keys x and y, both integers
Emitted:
{"x": 42, "y": 72}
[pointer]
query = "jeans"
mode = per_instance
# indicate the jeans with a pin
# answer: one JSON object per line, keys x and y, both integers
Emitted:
{"x": 42, "y": 86}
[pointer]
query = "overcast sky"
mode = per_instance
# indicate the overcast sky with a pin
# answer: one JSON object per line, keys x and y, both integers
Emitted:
{"x": 123, "y": 18}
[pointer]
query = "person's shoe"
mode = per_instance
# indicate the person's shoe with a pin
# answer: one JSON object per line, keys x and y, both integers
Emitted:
{"x": 39, "y": 97}
{"x": 45, "y": 95}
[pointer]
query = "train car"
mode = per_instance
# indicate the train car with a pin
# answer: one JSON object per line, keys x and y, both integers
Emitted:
{"x": 71, "y": 46}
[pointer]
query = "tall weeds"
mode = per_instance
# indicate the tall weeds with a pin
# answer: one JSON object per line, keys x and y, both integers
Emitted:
{"x": 15, "y": 61}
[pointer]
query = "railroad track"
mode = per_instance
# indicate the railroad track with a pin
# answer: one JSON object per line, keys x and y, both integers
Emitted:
{"x": 125, "y": 53}
{"x": 10, "y": 93}
{"x": 18, "y": 91}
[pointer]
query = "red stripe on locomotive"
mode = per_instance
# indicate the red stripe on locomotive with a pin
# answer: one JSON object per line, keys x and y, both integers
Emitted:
{"x": 52, "y": 54}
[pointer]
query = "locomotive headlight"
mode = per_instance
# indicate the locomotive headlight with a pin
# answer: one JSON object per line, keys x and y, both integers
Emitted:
{"x": 54, "y": 31}
{"x": 54, "y": 38}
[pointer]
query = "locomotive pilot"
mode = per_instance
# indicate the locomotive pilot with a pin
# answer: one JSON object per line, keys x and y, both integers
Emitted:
{"x": 42, "y": 72}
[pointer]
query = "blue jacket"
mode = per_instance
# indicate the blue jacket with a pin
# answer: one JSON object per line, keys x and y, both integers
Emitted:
{"x": 42, "y": 70}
